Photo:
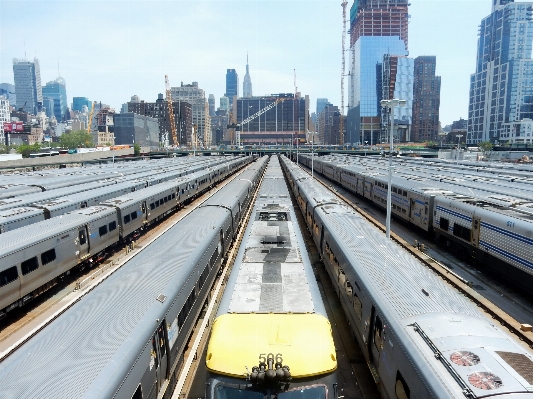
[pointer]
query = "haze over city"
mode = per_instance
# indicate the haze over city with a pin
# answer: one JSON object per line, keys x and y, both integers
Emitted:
{"x": 109, "y": 51}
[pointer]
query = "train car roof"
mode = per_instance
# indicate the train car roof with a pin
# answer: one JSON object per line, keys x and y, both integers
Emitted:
{"x": 88, "y": 350}
{"x": 36, "y": 232}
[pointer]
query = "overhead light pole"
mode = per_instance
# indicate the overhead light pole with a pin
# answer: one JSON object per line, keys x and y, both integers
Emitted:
{"x": 458, "y": 147}
{"x": 390, "y": 104}
{"x": 442, "y": 135}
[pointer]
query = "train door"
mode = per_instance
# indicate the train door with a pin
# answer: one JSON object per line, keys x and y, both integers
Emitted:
{"x": 412, "y": 210}
{"x": 159, "y": 355}
{"x": 476, "y": 226}
{"x": 144, "y": 210}
{"x": 83, "y": 242}
{"x": 375, "y": 338}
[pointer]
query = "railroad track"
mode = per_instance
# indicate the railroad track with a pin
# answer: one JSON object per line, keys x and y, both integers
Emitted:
{"x": 448, "y": 275}
{"x": 203, "y": 326}
{"x": 32, "y": 324}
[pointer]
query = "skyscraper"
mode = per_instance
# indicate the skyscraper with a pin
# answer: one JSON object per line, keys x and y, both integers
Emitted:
{"x": 79, "y": 102}
{"x": 247, "y": 84}
{"x": 395, "y": 79}
{"x": 426, "y": 93}
{"x": 211, "y": 102}
{"x": 8, "y": 91}
{"x": 57, "y": 90}
{"x": 377, "y": 27}
{"x": 28, "y": 88}
{"x": 195, "y": 96}
{"x": 320, "y": 104}
{"x": 232, "y": 85}
{"x": 501, "y": 89}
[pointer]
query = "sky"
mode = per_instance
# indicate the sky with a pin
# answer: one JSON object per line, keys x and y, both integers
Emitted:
{"x": 111, "y": 50}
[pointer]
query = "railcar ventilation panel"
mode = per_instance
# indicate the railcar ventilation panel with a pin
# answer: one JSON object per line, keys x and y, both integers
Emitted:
{"x": 520, "y": 363}
{"x": 464, "y": 358}
{"x": 485, "y": 380}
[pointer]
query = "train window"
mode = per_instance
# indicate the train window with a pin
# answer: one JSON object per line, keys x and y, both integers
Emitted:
{"x": 152, "y": 206}
{"x": 8, "y": 276}
{"x": 404, "y": 193}
{"x": 161, "y": 336}
{"x": 112, "y": 226}
{"x": 102, "y": 230}
{"x": 127, "y": 219}
{"x": 378, "y": 333}
{"x": 203, "y": 277}
{"x": 48, "y": 256}
{"x": 154, "y": 352}
{"x": 29, "y": 265}
{"x": 173, "y": 195}
{"x": 401, "y": 388}
{"x": 133, "y": 215}
{"x": 444, "y": 224}
{"x": 357, "y": 305}
{"x": 82, "y": 237}
{"x": 138, "y": 393}
{"x": 463, "y": 232}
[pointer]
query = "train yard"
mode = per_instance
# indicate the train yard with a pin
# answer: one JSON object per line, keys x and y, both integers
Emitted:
{"x": 267, "y": 284}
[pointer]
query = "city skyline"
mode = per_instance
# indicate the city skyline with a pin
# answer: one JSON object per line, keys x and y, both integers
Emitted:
{"x": 182, "y": 39}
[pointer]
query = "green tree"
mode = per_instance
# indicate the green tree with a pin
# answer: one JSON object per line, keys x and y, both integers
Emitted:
{"x": 136, "y": 149}
{"x": 485, "y": 146}
{"x": 26, "y": 149}
{"x": 76, "y": 139}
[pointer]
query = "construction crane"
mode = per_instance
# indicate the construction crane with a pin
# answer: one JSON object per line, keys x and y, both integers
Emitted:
{"x": 295, "y": 113}
{"x": 341, "y": 133}
{"x": 171, "y": 113}
{"x": 237, "y": 126}
{"x": 90, "y": 120}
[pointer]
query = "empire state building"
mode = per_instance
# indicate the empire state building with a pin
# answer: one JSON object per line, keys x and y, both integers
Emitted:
{"x": 247, "y": 84}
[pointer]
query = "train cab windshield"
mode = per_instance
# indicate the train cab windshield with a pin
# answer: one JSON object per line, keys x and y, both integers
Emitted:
{"x": 311, "y": 392}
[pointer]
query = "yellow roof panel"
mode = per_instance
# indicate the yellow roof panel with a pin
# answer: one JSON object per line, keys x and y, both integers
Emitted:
{"x": 303, "y": 341}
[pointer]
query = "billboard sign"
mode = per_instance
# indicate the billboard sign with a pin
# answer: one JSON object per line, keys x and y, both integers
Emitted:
{"x": 14, "y": 127}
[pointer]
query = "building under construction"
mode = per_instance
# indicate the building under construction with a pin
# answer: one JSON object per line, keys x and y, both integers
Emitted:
{"x": 377, "y": 27}
{"x": 281, "y": 124}
{"x": 159, "y": 110}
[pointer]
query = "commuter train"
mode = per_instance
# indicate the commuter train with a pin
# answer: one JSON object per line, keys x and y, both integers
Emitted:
{"x": 271, "y": 337}
{"x": 21, "y": 211}
{"x": 34, "y": 258}
{"x": 127, "y": 337}
{"x": 496, "y": 230}
{"x": 420, "y": 337}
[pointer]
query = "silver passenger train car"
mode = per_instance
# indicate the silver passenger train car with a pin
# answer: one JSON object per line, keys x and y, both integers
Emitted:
{"x": 127, "y": 337}
{"x": 271, "y": 336}
{"x": 27, "y": 267}
{"x": 420, "y": 337}
{"x": 496, "y": 230}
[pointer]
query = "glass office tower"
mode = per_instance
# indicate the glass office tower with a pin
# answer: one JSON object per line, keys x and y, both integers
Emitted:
{"x": 365, "y": 111}
{"x": 501, "y": 89}
{"x": 377, "y": 27}
{"x": 232, "y": 85}
{"x": 57, "y": 90}
{"x": 396, "y": 82}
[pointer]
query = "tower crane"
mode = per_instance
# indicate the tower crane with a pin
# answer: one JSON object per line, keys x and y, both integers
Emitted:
{"x": 171, "y": 112}
{"x": 341, "y": 133}
{"x": 90, "y": 121}
{"x": 237, "y": 126}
